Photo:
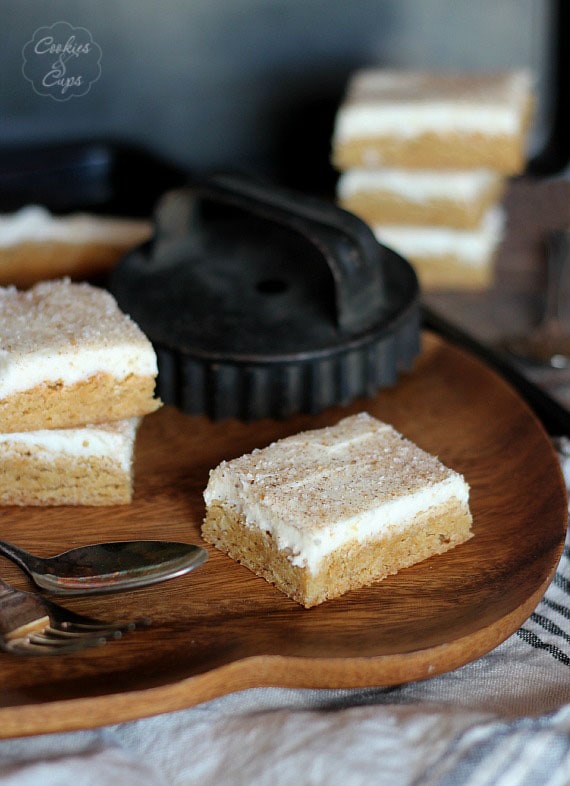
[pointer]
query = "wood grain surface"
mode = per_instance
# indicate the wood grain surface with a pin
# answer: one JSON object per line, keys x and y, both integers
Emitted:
{"x": 221, "y": 629}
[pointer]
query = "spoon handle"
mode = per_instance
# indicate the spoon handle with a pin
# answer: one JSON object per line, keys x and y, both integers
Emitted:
{"x": 26, "y": 561}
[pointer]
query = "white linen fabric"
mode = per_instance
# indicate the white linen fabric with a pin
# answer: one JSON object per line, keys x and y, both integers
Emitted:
{"x": 503, "y": 720}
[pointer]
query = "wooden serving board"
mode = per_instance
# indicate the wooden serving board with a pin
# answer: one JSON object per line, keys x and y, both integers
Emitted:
{"x": 222, "y": 629}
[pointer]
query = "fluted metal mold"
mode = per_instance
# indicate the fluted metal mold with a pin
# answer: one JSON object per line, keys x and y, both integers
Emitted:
{"x": 250, "y": 391}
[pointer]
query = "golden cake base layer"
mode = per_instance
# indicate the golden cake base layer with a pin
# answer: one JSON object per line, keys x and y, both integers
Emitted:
{"x": 101, "y": 398}
{"x": 27, "y": 263}
{"x": 28, "y": 479}
{"x": 504, "y": 154}
{"x": 355, "y": 565}
{"x": 385, "y": 208}
{"x": 450, "y": 272}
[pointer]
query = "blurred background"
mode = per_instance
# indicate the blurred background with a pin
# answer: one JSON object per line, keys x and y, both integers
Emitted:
{"x": 254, "y": 84}
{"x": 190, "y": 86}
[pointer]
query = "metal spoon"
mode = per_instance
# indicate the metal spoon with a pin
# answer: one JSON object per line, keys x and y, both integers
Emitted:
{"x": 549, "y": 343}
{"x": 107, "y": 567}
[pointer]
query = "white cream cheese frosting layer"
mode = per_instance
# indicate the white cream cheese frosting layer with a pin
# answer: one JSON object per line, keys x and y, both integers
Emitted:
{"x": 113, "y": 441}
{"x": 418, "y": 186}
{"x": 64, "y": 332}
{"x": 473, "y": 246}
{"x": 36, "y": 224}
{"x": 409, "y": 103}
{"x": 319, "y": 490}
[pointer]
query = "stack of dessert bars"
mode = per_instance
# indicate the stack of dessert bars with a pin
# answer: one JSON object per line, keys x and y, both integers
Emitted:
{"x": 77, "y": 377}
{"x": 424, "y": 159}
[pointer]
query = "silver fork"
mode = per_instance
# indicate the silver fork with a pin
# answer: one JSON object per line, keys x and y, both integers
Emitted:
{"x": 32, "y": 625}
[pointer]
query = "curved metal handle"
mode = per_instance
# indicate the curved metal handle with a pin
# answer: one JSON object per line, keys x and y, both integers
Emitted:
{"x": 347, "y": 244}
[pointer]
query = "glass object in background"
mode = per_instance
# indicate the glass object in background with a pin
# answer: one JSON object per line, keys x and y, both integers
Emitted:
{"x": 548, "y": 344}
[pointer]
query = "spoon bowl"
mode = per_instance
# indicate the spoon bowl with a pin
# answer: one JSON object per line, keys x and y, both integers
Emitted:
{"x": 107, "y": 567}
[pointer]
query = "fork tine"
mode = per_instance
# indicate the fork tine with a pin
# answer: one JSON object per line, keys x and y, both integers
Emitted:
{"x": 27, "y": 628}
{"x": 49, "y": 646}
{"x": 64, "y": 619}
{"x": 48, "y": 639}
{"x": 97, "y": 627}
{"x": 57, "y": 634}
{"x": 33, "y": 625}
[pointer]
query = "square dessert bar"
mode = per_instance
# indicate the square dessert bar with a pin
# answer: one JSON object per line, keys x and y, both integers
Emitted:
{"x": 446, "y": 257}
{"x": 407, "y": 197}
{"x": 415, "y": 119}
{"x": 334, "y": 509}
{"x": 36, "y": 245}
{"x": 81, "y": 466}
{"x": 69, "y": 356}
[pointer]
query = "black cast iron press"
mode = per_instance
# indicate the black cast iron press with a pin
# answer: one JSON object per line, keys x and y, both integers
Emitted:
{"x": 265, "y": 303}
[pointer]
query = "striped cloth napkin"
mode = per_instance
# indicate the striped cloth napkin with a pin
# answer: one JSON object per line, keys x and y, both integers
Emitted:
{"x": 503, "y": 720}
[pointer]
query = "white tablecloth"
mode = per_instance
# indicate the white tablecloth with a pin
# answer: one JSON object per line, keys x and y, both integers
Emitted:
{"x": 503, "y": 720}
